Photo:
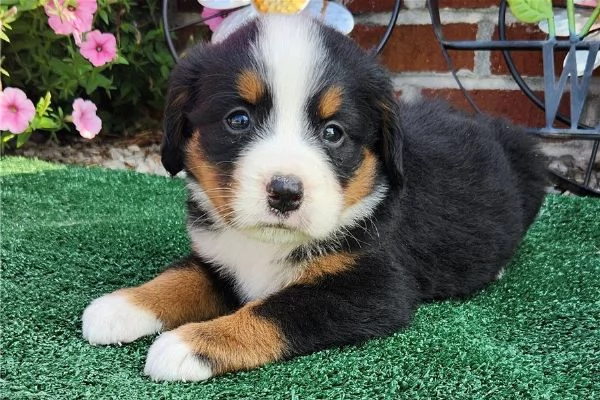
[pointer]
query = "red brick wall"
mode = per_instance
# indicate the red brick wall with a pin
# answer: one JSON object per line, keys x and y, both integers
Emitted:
{"x": 415, "y": 60}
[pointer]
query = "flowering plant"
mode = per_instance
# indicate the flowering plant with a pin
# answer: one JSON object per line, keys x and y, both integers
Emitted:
{"x": 89, "y": 56}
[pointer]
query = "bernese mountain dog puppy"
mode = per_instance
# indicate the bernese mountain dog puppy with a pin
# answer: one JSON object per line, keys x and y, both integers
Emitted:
{"x": 321, "y": 211}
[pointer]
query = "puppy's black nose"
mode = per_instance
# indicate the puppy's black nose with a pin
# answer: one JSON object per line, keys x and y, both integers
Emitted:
{"x": 285, "y": 192}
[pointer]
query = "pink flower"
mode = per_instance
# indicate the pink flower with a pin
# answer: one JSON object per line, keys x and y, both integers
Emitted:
{"x": 85, "y": 119}
{"x": 213, "y": 22}
{"x": 16, "y": 110}
{"x": 70, "y": 16}
{"x": 99, "y": 48}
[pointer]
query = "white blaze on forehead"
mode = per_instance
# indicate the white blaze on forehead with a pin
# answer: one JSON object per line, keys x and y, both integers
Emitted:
{"x": 290, "y": 50}
{"x": 292, "y": 59}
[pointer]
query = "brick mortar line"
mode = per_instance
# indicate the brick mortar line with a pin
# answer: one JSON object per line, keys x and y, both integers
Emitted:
{"x": 482, "y": 62}
{"x": 447, "y": 16}
{"x": 409, "y": 93}
{"x": 414, "y": 4}
{"x": 470, "y": 82}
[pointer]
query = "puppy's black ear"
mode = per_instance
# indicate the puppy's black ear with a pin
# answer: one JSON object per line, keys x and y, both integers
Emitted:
{"x": 175, "y": 126}
{"x": 392, "y": 138}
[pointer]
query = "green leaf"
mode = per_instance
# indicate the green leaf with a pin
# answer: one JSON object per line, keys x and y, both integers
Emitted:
{"x": 25, "y": 5}
{"x": 43, "y": 104}
{"x": 6, "y": 136}
{"x": 104, "y": 81}
{"x": 90, "y": 86}
{"x": 165, "y": 71}
{"x": 47, "y": 123}
{"x": 103, "y": 16}
{"x": 121, "y": 60}
{"x": 127, "y": 27}
{"x": 60, "y": 67}
{"x": 95, "y": 82}
{"x": 22, "y": 138}
{"x": 531, "y": 11}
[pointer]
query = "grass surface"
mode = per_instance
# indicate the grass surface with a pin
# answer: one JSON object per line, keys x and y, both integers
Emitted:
{"x": 72, "y": 234}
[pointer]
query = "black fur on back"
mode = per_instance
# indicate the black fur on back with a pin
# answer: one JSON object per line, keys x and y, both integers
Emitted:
{"x": 473, "y": 187}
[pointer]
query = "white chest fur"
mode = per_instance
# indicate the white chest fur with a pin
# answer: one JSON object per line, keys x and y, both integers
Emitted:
{"x": 257, "y": 268}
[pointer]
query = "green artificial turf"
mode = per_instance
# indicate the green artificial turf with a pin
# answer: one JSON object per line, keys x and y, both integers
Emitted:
{"x": 71, "y": 234}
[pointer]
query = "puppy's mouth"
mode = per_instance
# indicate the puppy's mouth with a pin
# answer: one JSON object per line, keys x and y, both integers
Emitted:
{"x": 277, "y": 233}
{"x": 279, "y": 225}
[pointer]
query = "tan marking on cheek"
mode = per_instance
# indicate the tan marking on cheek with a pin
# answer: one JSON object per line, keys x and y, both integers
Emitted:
{"x": 235, "y": 342}
{"x": 178, "y": 296}
{"x": 250, "y": 87}
{"x": 330, "y": 264}
{"x": 219, "y": 189}
{"x": 330, "y": 102}
{"x": 361, "y": 184}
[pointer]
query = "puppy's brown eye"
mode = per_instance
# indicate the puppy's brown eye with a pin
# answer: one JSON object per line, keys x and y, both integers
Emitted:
{"x": 238, "y": 120}
{"x": 332, "y": 134}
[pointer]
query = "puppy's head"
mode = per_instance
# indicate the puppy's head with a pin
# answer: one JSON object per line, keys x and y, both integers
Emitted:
{"x": 287, "y": 130}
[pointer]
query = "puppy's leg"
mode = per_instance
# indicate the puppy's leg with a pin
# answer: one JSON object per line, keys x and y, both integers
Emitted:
{"x": 183, "y": 293}
{"x": 197, "y": 351}
{"x": 300, "y": 319}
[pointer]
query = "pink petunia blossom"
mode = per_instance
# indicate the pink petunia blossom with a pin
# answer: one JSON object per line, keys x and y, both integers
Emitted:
{"x": 16, "y": 110}
{"x": 85, "y": 119}
{"x": 67, "y": 17}
{"x": 99, "y": 48}
{"x": 212, "y": 22}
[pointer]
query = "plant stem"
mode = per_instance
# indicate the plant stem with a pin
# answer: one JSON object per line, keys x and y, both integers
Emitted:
{"x": 590, "y": 21}
{"x": 551, "y": 24}
{"x": 571, "y": 18}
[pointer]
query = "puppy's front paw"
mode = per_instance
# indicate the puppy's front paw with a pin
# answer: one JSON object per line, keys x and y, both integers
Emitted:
{"x": 171, "y": 359}
{"x": 114, "y": 319}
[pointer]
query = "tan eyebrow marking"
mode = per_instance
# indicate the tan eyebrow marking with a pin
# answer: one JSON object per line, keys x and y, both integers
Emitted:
{"x": 250, "y": 87}
{"x": 330, "y": 101}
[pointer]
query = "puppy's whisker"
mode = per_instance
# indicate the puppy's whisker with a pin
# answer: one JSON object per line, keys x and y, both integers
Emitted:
{"x": 221, "y": 174}
{"x": 234, "y": 162}
{"x": 219, "y": 189}
{"x": 221, "y": 195}
{"x": 346, "y": 234}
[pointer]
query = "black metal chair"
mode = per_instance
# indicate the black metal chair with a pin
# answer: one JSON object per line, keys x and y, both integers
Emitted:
{"x": 555, "y": 86}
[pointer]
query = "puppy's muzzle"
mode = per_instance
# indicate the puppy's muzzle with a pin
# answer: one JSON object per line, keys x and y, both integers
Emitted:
{"x": 285, "y": 193}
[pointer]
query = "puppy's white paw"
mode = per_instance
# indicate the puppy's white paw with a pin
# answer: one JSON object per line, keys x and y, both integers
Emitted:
{"x": 114, "y": 319}
{"x": 171, "y": 359}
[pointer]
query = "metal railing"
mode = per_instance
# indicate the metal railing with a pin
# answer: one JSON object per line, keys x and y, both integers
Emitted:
{"x": 557, "y": 124}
